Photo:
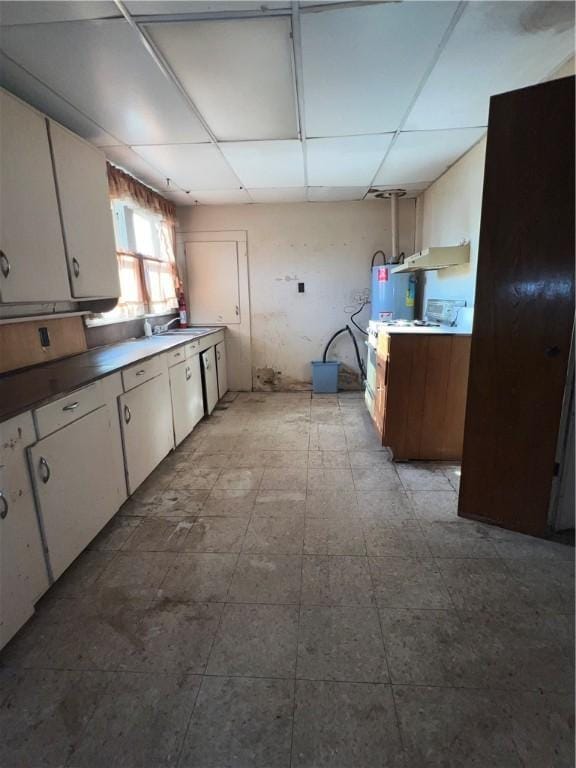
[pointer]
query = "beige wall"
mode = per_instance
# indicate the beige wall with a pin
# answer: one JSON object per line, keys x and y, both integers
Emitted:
{"x": 328, "y": 246}
{"x": 450, "y": 212}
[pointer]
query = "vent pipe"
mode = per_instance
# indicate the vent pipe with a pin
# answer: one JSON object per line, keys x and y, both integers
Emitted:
{"x": 393, "y": 195}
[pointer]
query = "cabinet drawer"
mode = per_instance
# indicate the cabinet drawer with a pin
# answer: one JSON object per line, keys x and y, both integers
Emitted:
{"x": 141, "y": 372}
{"x": 67, "y": 409}
{"x": 192, "y": 349}
{"x": 176, "y": 356}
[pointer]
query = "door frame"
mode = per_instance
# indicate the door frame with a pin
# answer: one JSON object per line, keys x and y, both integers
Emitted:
{"x": 239, "y": 335}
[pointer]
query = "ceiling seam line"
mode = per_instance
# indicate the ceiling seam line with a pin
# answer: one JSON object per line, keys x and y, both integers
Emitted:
{"x": 299, "y": 85}
{"x": 423, "y": 80}
{"x": 170, "y": 75}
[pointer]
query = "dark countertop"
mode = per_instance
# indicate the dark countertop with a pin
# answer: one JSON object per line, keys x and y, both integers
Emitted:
{"x": 19, "y": 392}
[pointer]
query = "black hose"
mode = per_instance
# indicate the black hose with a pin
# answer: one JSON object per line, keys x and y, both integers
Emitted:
{"x": 353, "y": 315}
{"x": 374, "y": 258}
{"x": 346, "y": 329}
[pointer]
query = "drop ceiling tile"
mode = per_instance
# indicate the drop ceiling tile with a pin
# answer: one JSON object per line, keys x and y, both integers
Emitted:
{"x": 29, "y": 89}
{"x": 335, "y": 194}
{"x": 495, "y": 47}
{"x": 191, "y": 166}
{"x": 239, "y": 74}
{"x": 362, "y": 65}
{"x": 279, "y": 195}
{"x": 422, "y": 156}
{"x": 266, "y": 163}
{"x": 219, "y": 197}
{"x": 151, "y": 8}
{"x": 345, "y": 162}
{"x": 24, "y": 12}
{"x": 102, "y": 68}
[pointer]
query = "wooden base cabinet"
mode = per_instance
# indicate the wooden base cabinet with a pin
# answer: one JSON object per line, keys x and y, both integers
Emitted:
{"x": 187, "y": 402}
{"x": 147, "y": 428}
{"x": 23, "y": 571}
{"x": 73, "y": 472}
{"x": 420, "y": 398}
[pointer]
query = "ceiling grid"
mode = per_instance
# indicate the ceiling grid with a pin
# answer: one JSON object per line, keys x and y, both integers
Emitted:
{"x": 235, "y": 102}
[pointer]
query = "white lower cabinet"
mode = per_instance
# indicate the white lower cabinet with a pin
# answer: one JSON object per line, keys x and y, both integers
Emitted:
{"x": 187, "y": 402}
{"x": 210, "y": 375}
{"x": 23, "y": 571}
{"x": 221, "y": 368}
{"x": 147, "y": 431}
{"x": 73, "y": 472}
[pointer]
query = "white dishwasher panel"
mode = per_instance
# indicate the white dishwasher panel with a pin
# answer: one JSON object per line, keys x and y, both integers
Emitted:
{"x": 210, "y": 374}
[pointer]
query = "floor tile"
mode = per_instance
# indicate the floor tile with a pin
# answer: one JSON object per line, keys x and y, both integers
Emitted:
{"x": 429, "y": 648}
{"x": 266, "y": 579}
{"x": 519, "y": 547}
{"x": 406, "y": 582}
{"x": 199, "y": 479}
{"x": 173, "y": 503}
{"x": 334, "y": 536}
{"x": 115, "y": 534}
{"x": 135, "y": 574}
{"x": 140, "y": 722}
{"x": 482, "y": 584}
{"x": 256, "y": 640}
{"x": 239, "y": 479}
{"x": 281, "y": 535}
{"x": 336, "y": 580}
{"x": 280, "y": 503}
{"x": 418, "y": 477}
{"x": 345, "y": 725}
{"x": 216, "y": 534}
{"x": 548, "y": 585}
{"x": 327, "y": 437}
{"x": 245, "y": 723}
{"x": 457, "y": 540}
{"x": 368, "y": 459}
{"x": 341, "y": 644}
{"x": 382, "y": 478}
{"x": 329, "y": 459}
{"x": 159, "y": 535}
{"x": 82, "y": 576}
{"x": 406, "y": 540}
{"x": 209, "y": 461}
{"x": 43, "y": 714}
{"x": 199, "y": 577}
{"x": 330, "y": 478}
{"x": 235, "y": 503}
{"x": 454, "y": 728}
{"x": 332, "y": 502}
{"x": 284, "y": 479}
{"x": 287, "y": 459}
{"x": 388, "y": 506}
{"x": 435, "y": 506}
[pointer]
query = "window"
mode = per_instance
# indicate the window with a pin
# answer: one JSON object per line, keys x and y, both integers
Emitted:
{"x": 143, "y": 222}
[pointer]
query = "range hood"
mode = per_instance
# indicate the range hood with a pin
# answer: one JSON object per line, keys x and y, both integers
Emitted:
{"x": 435, "y": 258}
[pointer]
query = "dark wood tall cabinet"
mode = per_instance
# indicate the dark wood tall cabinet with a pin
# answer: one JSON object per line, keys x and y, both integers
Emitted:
{"x": 524, "y": 309}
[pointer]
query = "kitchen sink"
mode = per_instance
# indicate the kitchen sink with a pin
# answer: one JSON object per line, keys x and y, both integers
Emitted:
{"x": 185, "y": 331}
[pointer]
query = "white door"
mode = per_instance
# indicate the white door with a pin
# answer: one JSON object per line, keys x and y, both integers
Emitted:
{"x": 86, "y": 215}
{"x": 23, "y": 572}
{"x": 187, "y": 402}
{"x": 72, "y": 470}
{"x": 210, "y": 378}
{"x": 147, "y": 431}
{"x": 222, "y": 369}
{"x": 212, "y": 279}
{"x": 32, "y": 258}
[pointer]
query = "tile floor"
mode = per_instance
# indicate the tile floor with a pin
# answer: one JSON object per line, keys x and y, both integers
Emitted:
{"x": 280, "y": 594}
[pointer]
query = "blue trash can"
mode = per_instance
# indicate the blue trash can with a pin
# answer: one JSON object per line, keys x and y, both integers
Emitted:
{"x": 325, "y": 376}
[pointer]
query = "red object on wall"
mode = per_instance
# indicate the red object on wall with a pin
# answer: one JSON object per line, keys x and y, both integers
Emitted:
{"x": 182, "y": 310}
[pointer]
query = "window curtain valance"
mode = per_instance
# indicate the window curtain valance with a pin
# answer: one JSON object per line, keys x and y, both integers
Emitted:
{"x": 122, "y": 186}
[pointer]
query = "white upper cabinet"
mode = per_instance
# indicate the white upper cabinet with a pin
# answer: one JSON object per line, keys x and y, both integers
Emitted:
{"x": 32, "y": 259}
{"x": 87, "y": 224}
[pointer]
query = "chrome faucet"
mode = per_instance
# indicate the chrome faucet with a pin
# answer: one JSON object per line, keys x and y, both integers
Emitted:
{"x": 163, "y": 328}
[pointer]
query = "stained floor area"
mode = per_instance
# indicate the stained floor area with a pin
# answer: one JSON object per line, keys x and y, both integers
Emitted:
{"x": 280, "y": 594}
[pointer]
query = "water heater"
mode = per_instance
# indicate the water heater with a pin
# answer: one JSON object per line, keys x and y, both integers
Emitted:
{"x": 392, "y": 295}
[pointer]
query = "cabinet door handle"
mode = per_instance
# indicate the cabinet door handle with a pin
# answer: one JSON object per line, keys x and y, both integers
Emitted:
{"x": 5, "y": 265}
{"x": 177, "y": 354}
{"x": 71, "y": 406}
{"x": 237, "y": 310}
{"x": 76, "y": 267}
{"x": 188, "y": 373}
{"x": 3, "y": 506}
{"x": 217, "y": 354}
{"x": 386, "y": 373}
{"x": 44, "y": 470}
{"x": 206, "y": 365}
{"x": 127, "y": 414}
{"x": 141, "y": 372}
